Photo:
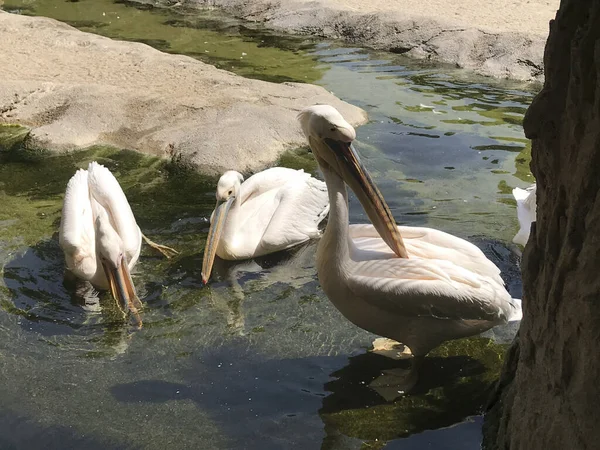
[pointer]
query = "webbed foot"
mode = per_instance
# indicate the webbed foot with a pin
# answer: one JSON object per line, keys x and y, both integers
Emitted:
{"x": 167, "y": 251}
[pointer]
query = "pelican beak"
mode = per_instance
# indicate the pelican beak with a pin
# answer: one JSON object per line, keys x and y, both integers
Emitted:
{"x": 357, "y": 177}
{"x": 214, "y": 234}
{"x": 122, "y": 288}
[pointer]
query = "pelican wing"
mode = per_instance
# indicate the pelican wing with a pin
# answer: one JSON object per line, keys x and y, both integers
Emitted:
{"x": 298, "y": 208}
{"x": 106, "y": 190}
{"x": 429, "y": 287}
{"x": 526, "y": 212}
{"x": 268, "y": 180}
{"x": 425, "y": 243}
{"x": 76, "y": 233}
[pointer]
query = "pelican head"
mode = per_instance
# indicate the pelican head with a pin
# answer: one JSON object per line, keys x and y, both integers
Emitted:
{"x": 330, "y": 138}
{"x": 228, "y": 189}
{"x": 110, "y": 249}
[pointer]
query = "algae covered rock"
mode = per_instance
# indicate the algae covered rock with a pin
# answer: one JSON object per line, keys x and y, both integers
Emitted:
{"x": 75, "y": 90}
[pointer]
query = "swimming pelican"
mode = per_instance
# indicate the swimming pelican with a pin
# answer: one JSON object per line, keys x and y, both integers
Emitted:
{"x": 418, "y": 286}
{"x": 99, "y": 235}
{"x": 272, "y": 210}
{"x": 526, "y": 212}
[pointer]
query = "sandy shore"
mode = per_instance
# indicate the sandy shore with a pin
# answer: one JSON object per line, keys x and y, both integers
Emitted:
{"x": 77, "y": 89}
{"x": 502, "y": 38}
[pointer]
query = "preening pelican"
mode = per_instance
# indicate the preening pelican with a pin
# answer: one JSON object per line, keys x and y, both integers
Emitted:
{"x": 418, "y": 286}
{"x": 272, "y": 210}
{"x": 99, "y": 235}
{"x": 526, "y": 212}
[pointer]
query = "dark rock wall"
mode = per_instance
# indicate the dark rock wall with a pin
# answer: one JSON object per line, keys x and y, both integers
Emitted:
{"x": 550, "y": 388}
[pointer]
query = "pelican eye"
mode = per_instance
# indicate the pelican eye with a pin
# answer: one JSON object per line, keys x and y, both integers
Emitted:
{"x": 230, "y": 191}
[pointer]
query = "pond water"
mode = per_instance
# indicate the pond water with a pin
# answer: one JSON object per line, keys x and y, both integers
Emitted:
{"x": 259, "y": 358}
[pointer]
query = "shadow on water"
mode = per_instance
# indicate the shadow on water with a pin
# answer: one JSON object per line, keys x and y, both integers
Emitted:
{"x": 441, "y": 398}
{"x": 260, "y": 353}
{"x": 259, "y": 402}
{"x": 266, "y": 403}
{"x": 22, "y": 432}
{"x": 247, "y": 396}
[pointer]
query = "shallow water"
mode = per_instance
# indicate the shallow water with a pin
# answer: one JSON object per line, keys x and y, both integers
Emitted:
{"x": 259, "y": 358}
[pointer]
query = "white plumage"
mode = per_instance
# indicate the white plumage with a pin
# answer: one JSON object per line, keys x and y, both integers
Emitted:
{"x": 526, "y": 212}
{"x": 444, "y": 289}
{"x": 100, "y": 237}
{"x": 273, "y": 210}
{"x": 92, "y": 193}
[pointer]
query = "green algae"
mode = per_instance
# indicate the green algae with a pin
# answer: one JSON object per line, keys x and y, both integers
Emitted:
{"x": 353, "y": 409}
{"x": 299, "y": 159}
{"x": 205, "y": 35}
{"x": 16, "y": 146}
{"x": 12, "y": 137}
{"x": 522, "y": 162}
{"x": 31, "y": 193}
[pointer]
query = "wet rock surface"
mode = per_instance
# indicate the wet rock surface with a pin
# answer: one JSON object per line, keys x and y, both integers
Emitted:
{"x": 75, "y": 90}
{"x": 500, "y": 39}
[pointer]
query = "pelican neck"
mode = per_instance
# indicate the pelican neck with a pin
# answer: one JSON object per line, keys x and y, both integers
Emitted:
{"x": 336, "y": 238}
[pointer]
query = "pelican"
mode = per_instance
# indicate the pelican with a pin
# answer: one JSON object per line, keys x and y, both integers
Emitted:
{"x": 99, "y": 235}
{"x": 417, "y": 286}
{"x": 526, "y": 212}
{"x": 272, "y": 210}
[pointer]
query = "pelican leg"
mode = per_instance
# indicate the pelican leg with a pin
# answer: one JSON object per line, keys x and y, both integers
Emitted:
{"x": 394, "y": 383}
{"x": 167, "y": 251}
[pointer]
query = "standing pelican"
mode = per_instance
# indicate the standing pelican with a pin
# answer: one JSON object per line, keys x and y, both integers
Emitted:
{"x": 418, "y": 286}
{"x": 526, "y": 212}
{"x": 272, "y": 210}
{"x": 99, "y": 235}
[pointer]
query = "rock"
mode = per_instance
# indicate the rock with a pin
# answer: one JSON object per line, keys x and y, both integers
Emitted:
{"x": 490, "y": 38}
{"x": 76, "y": 89}
{"x": 548, "y": 393}
{"x": 391, "y": 349}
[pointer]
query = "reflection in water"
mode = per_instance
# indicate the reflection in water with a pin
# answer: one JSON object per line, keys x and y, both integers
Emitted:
{"x": 247, "y": 395}
{"x": 294, "y": 268}
{"x": 53, "y": 306}
{"x": 465, "y": 435}
{"x": 452, "y": 388}
{"x": 259, "y": 358}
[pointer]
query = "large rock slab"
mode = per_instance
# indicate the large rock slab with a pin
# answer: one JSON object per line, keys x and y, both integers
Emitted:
{"x": 76, "y": 89}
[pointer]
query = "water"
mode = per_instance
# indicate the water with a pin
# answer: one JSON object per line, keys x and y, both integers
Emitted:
{"x": 259, "y": 358}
